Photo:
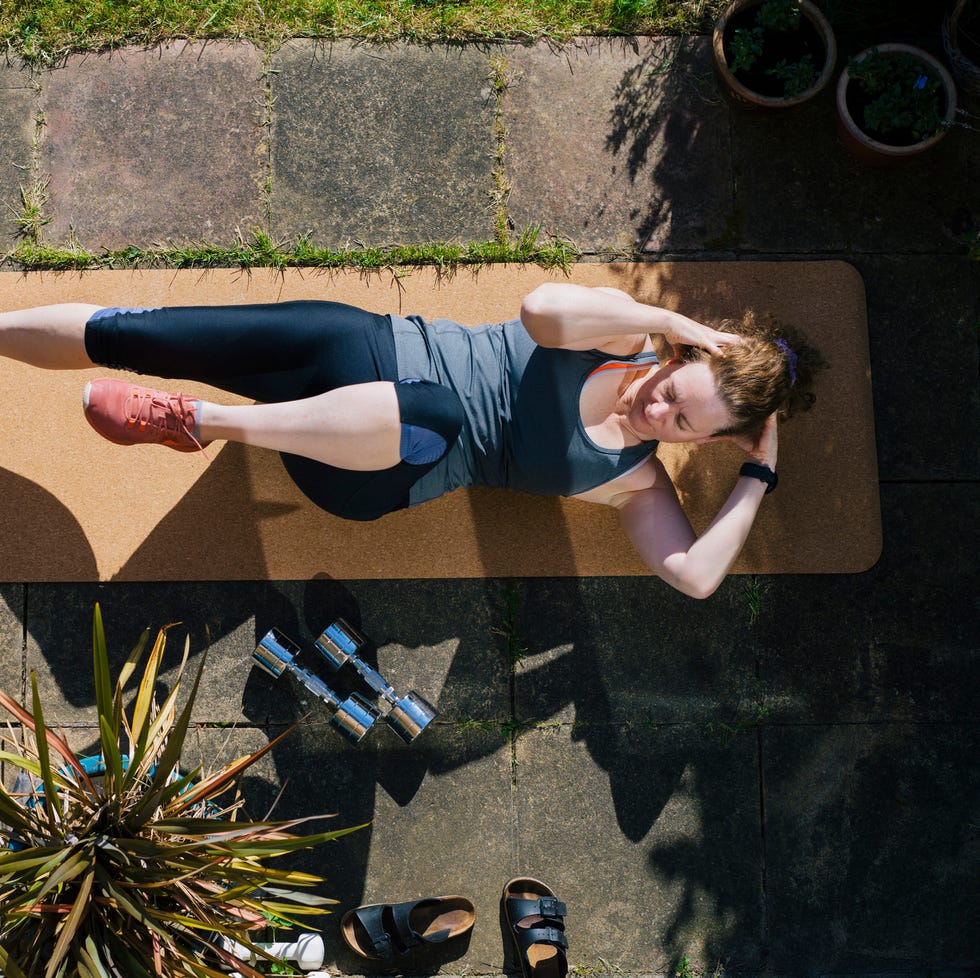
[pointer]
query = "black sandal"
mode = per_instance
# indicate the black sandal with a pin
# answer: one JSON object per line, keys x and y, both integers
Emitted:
{"x": 382, "y": 931}
{"x": 536, "y": 921}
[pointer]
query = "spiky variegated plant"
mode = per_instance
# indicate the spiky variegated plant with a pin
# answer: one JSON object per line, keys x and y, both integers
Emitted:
{"x": 137, "y": 872}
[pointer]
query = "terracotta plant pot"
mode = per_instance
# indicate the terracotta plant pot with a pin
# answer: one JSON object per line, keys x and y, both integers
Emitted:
{"x": 873, "y": 149}
{"x": 758, "y": 89}
{"x": 961, "y": 38}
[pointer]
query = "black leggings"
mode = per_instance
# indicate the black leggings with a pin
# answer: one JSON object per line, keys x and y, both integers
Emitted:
{"x": 283, "y": 352}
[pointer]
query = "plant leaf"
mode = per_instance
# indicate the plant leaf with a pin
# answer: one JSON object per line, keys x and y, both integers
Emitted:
{"x": 68, "y": 870}
{"x": 11, "y": 969}
{"x": 100, "y": 660}
{"x": 167, "y": 762}
{"x": 52, "y": 739}
{"x": 44, "y": 758}
{"x": 147, "y": 687}
{"x": 70, "y": 927}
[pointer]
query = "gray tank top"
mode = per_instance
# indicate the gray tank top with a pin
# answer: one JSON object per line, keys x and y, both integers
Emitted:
{"x": 522, "y": 428}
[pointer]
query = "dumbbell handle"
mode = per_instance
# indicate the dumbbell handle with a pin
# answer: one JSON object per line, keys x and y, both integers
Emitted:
{"x": 276, "y": 654}
{"x": 315, "y": 685}
{"x": 374, "y": 679}
{"x": 339, "y": 644}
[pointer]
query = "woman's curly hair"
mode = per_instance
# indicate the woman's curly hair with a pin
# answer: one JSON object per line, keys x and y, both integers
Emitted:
{"x": 759, "y": 376}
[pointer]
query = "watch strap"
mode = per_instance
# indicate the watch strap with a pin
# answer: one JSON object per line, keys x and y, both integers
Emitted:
{"x": 761, "y": 472}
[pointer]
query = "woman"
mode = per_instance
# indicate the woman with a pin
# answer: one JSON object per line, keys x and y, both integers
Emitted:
{"x": 375, "y": 413}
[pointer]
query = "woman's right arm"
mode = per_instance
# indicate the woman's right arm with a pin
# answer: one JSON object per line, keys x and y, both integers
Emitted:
{"x": 657, "y": 527}
{"x": 576, "y": 317}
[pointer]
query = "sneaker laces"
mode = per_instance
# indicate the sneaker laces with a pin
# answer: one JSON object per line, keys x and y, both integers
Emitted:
{"x": 139, "y": 411}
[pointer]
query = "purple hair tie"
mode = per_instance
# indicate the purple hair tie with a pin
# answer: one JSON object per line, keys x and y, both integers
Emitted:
{"x": 791, "y": 359}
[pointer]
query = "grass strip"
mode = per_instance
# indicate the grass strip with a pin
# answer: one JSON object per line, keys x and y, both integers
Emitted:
{"x": 43, "y": 30}
{"x": 259, "y": 251}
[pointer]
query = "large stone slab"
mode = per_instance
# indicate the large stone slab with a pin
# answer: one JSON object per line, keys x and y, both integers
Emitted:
{"x": 18, "y": 108}
{"x": 152, "y": 147}
{"x": 441, "y": 822}
{"x": 622, "y": 651}
{"x": 12, "y": 640}
{"x": 871, "y": 848}
{"x": 922, "y": 319}
{"x": 898, "y": 642}
{"x": 59, "y": 642}
{"x": 651, "y": 835}
{"x": 618, "y": 143}
{"x": 799, "y": 190}
{"x": 435, "y": 637}
{"x": 381, "y": 145}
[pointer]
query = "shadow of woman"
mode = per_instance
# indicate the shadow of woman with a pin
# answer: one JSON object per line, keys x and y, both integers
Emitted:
{"x": 45, "y": 534}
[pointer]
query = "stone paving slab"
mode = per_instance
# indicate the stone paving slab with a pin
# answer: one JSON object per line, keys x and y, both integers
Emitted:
{"x": 871, "y": 847}
{"x": 799, "y": 190}
{"x": 18, "y": 107}
{"x": 441, "y": 822}
{"x": 381, "y": 145}
{"x": 651, "y": 835}
{"x": 617, "y": 143}
{"x": 446, "y": 649}
{"x": 629, "y": 652}
{"x": 922, "y": 316}
{"x": 12, "y": 639}
{"x": 147, "y": 148}
{"x": 899, "y": 642}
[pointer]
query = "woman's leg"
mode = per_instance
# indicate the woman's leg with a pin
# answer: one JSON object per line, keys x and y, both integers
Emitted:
{"x": 353, "y": 441}
{"x": 357, "y": 427}
{"x": 355, "y": 451}
{"x": 52, "y": 337}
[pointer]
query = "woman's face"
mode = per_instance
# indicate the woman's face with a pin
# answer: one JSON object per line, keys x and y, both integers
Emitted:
{"x": 680, "y": 402}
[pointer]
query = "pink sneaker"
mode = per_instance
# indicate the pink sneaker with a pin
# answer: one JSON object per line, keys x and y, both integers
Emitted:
{"x": 129, "y": 415}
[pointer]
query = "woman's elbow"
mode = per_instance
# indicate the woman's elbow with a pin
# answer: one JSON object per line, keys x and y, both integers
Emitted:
{"x": 698, "y": 590}
{"x": 694, "y": 585}
{"x": 540, "y": 316}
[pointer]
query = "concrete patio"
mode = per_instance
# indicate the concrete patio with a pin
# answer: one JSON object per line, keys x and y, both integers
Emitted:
{"x": 781, "y": 780}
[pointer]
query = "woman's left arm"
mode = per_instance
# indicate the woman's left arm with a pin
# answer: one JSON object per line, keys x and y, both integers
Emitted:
{"x": 656, "y": 525}
{"x": 576, "y": 317}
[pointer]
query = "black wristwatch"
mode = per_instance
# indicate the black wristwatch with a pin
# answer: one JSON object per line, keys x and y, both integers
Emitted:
{"x": 761, "y": 472}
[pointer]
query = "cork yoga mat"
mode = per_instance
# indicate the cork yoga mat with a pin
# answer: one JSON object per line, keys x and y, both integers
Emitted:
{"x": 77, "y": 508}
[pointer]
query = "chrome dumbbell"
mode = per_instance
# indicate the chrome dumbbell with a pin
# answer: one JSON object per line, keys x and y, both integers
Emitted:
{"x": 407, "y": 715}
{"x": 353, "y": 716}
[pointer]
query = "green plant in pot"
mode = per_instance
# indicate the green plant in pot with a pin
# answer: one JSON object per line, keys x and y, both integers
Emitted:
{"x": 894, "y": 101}
{"x": 124, "y": 866}
{"x": 773, "y": 53}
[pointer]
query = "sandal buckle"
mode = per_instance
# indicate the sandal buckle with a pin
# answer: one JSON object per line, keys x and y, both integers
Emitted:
{"x": 552, "y": 935}
{"x": 551, "y": 907}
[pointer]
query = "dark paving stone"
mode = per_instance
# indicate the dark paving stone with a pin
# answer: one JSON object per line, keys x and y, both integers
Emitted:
{"x": 12, "y": 640}
{"x": 922, "y": 314}
{"x": 379, "y": 145}
{"x": 651, "y": 835}
{"x": 632, "y": 650}
{"x": 799, "y": 190}
{"x": 147, "y": 147}
{"x": 18, "y": 106}
{"x": 871, "y": 848}
{"x": 441, "y": 822}
{"x": 59, "y": 646}
{"x": 618, "y": 143}
{"x": 445, "y": 647}
{"x": 899, "y": 642}
{"x": 441, "y": 638}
